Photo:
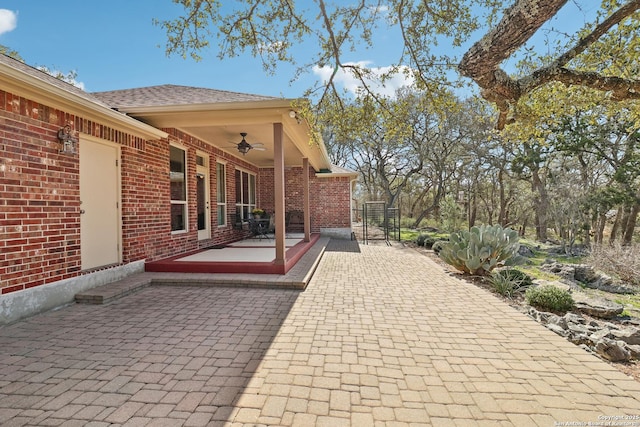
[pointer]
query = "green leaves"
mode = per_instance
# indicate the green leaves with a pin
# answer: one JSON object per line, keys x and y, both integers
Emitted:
{"x": 481, "y": 249}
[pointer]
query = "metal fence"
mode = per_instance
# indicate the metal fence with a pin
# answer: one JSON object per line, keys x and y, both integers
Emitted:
{"x": 380, "y": 222}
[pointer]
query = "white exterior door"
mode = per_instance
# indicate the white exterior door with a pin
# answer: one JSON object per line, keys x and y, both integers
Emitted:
{"x": 99, "y": 204}
{"x": 202, "y": 196}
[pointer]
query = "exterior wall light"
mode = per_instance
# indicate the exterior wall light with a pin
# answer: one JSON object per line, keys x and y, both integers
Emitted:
{"x": 294, "y": 115}
{"x": 65, "y": 136}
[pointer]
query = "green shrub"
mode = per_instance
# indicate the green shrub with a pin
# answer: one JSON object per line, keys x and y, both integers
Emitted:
{"x": 406, "y": 222}
{"x": 509, "y": 281}
{"x": 516, "y": 276}
{"x": 549, "y": 298}
{"x": 425, "y": 240}
{"x": 437, "y": 246}
{"x": 481, "y": 249}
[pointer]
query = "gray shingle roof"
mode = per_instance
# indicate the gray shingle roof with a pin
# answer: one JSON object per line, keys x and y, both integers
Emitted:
{"x": 167, "y": 95}
{"x": 151, "y": 96}
{"x": 49, "y": 79}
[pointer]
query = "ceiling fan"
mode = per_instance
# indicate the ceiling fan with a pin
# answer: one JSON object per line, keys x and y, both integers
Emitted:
{"x": 244, "y": 146}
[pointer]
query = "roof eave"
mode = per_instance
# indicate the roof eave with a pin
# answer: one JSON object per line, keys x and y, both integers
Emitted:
{"x": 213, "y": 106}
{"x": 41, "y": 91}
{"x": 336, "y": 175}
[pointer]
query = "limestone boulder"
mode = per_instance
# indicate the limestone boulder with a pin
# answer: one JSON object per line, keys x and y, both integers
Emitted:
{"x": 629, "y": 335}
{"x": 586, "y": 275}
{"x": 614, "y": 351}
{"x": 558, "y": 330}
{"x": 596, "y": 307}
{"x": 634, "y": 350}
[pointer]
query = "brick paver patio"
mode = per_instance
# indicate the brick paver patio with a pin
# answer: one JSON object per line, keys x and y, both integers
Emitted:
{"x": 381, "y": 336}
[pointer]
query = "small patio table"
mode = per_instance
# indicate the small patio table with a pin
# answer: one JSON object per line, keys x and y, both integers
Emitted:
{"x": 259, "y": 227}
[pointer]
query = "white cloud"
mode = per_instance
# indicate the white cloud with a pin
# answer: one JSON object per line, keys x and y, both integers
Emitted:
{"x": 8, "y": 20}
{"x": 76, "y": 83}
{"x": 69, "y": 77}
{"x": 403, "y": 77}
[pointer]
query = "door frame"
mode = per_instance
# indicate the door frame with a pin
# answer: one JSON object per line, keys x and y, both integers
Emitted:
{"x": 206, "y": 172}
{"x": 118, "y": 154}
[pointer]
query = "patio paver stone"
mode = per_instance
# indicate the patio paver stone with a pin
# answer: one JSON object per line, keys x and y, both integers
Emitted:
{"x": 381, "y": 336}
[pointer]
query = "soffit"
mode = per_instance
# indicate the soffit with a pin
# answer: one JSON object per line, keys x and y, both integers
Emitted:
{"x": 220, "y": 125}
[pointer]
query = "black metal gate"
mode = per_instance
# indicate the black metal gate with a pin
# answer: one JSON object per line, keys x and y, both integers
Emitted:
{"x": 380, "y": 222}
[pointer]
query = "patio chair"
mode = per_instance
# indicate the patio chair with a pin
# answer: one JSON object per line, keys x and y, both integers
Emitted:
{"x": 236, "y": 222}
{"x": 259, "y": 228}
{"x": 294, "y": 221}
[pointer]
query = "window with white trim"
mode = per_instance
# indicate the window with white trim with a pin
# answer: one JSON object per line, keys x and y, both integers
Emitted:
{"x": 178, "y": 178}
{"x": 221, "y": 194}
{"x": 245, "y": 194}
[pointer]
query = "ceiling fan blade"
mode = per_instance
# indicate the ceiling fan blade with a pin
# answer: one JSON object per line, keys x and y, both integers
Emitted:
{"x": 259, "y": 148}
{"x": 257, "y": 144}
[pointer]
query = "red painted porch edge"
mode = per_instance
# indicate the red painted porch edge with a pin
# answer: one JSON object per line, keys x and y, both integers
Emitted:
{"x": 293, "y": 255}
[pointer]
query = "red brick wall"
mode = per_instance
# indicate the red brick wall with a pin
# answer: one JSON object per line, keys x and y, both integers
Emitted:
{"x": 330, "y": 198}
{"x": 159, "y": 242}
{"x": 40, "y": 198}
{"x": 331, "y": 201}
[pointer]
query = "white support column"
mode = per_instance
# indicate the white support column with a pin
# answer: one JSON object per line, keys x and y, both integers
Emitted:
{"x": 307, "y": 204}
{"x": 278, "y": 185}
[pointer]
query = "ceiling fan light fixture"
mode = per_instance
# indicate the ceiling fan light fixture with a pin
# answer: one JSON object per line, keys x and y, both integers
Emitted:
{"x": 244, "y": 146}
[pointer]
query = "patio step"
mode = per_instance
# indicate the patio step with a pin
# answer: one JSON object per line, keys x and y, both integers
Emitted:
{"x": 111, "y": 291}
{"x": 297, "y": 279}
{"x": 105, "y": 294}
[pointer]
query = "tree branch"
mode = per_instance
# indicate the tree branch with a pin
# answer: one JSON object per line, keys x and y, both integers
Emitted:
{"x": 481, "y": 62}
{"x": 598, "y": 32}
{"x": 619, "y": 88}
{"x": 518, "y": 24}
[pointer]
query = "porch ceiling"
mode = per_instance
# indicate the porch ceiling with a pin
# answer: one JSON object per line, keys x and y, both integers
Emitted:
{"x": 226, "y": 137}
{"x": 221, "y": 125}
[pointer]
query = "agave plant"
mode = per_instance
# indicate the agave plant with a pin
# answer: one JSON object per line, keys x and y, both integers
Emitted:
{"x": 481, "y": 249}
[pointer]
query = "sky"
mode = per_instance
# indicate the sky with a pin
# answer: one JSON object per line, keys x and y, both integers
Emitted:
{"x": 113, "y": 44}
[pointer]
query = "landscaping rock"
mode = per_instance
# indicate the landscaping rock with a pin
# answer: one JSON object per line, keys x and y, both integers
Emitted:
{"x": 554, "y": 319}
{"x": 631, "y": 321}
{"x": 634, "y": 350}
{"x": 548, "y": 318}
{"x": 574, "y": 318}
{"x": 577, "y": 328}
{"x": 607, "y": 340}
{"x": 586, "y": 275}
{"x": 525, "y": 251}
{"x": 599, "y": 334}
{"x": 613, "y": 351}
{"x": 597, "y": 307}
{"x": 558, "y": 330}
{"x": 564, "y": 271}
{"x": 629, "y": 335}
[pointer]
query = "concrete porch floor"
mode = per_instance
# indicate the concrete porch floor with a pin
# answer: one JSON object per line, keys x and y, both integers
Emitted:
{"x": 250, "y": 256}
{"x": 247, "y": 250}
